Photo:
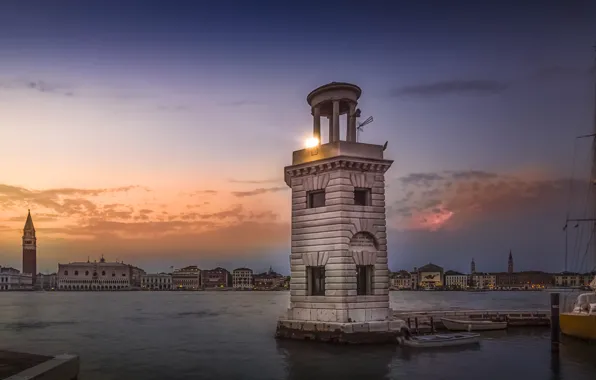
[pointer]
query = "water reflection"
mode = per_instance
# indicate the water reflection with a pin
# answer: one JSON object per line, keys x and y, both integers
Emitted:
{"x": 309, "y": 360}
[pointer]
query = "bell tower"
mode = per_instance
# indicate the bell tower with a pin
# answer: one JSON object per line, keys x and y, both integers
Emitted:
{"x": 29, "y": 247}
{"x": 510, "y": 263}
{"x": 338, "y": 260}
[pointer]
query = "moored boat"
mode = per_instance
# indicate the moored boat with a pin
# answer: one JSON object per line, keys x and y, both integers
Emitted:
{"x": 581, "y": 321}
{"x": 440, "y": 340}
{"x": 472, "y": 325}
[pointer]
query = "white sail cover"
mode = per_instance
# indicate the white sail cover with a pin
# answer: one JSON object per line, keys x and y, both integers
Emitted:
{"x": 593, "y": 283}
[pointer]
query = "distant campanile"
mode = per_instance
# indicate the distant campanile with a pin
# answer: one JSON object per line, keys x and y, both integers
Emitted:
{"x": 29, "y": 247}
{"x": 472, "y": 267}
{"x": 510, "y": 263}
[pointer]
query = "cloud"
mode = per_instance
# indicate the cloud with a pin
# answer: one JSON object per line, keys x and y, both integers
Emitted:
{"x": 241, "y": 103}
{"x": 452, "y": 87}
{"x": 558, "y": 72}
{"x": 37, "y": 86}
{"x": 256, "y": 182}
{"x": 258, "y": 191}
{"x": 62, "y": 201}
{"x": 203, "y": 192}
{"x": 430, "y": 201}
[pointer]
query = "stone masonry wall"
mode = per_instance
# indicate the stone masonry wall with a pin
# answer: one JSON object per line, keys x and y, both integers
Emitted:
{"x": 321, "y": 236}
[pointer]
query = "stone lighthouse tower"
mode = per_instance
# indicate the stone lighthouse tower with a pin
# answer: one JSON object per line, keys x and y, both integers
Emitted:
{"x": 339, "y": 289}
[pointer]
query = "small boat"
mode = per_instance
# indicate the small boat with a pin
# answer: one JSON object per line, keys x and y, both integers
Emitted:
{"x": 440, "y": 340}
{"x": 471, "y": 325}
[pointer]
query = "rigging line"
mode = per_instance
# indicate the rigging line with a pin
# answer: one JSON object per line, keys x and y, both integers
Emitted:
{"x": 579, "y": 235}
{"x": 587, "y": 249}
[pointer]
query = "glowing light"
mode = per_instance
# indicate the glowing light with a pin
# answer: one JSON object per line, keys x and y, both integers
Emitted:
{"x": 312, "y": 142}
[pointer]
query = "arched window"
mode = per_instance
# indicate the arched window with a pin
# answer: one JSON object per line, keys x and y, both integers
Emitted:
{"x": 103, "y": 272}
{"x": 76, "y": 272}
{"x": 94, "y": 274}
{"x": 113, "y": 274}
{"x": 123, "y": 274}
{"x": 86, "y": 273}
{"x": 66, "y": 273}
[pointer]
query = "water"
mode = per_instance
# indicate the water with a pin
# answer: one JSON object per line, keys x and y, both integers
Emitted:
{"x": 229, "y": 335}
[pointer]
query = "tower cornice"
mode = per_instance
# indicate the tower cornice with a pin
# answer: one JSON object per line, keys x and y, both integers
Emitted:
{"x": 339, "y": 162}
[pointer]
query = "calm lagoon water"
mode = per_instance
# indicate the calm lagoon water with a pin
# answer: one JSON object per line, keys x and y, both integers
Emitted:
{"x": 229, "y": 335}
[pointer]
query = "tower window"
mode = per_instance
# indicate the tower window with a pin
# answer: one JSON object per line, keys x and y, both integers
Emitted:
{"x": 364, "y": 279}
{"x": 316, "y": 283}
{"x": 362, "y": 197}
{"x": 316, "y": 199}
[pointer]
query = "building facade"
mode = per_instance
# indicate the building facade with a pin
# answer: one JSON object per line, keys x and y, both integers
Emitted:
{"x": 268, "y": 280}
{"x": 157, "y": 281}
{"x": 46, "y": 281}
{"x": 12, "y": 279}
{"x": 188, "y": 278}
{"x": 218, "y": 278}
{"x": 430, "y": 276}
{"x": 401, "y": 280}
{"x": 339, "y": 244}
{"x": 97, "y": 275}
{"x": 29, "y": 248}
{"x": 484, "y": 281}
{"x": 242, "y": 279}
{"x": 455, "y": 280}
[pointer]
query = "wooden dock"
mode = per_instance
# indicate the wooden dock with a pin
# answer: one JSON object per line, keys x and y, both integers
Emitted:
{"x": 514, "y": 318}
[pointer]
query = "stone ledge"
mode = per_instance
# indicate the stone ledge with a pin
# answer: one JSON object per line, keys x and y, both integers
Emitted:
{"x": 342, "y": 333}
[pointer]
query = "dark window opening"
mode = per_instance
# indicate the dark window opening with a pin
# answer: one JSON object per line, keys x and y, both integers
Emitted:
{"x": 362, "y": 197}
{"x": 317, "y": 281}
{"x": 316, "y": 199}
{"x": 76, "y": 272}
{"x": 364, "y": 279}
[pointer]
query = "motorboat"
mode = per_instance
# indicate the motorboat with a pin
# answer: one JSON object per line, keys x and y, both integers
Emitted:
{"x": 472, "y": 325}
{"x": 440, "y": 340}
{"x": 581, "y": 321}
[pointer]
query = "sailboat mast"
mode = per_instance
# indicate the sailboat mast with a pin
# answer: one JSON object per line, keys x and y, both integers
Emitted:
{"x": 593, "y": 187}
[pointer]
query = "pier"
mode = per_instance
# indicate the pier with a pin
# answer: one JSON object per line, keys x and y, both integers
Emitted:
{"x": 426, "y": 321}
{"x": 24, "y": 366}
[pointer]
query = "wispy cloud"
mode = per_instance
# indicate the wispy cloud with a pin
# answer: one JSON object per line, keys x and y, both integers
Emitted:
{"x": 452, "y": 87}
{"x": 37, "y": 86}
{"x": 258, "y": 191}
{"x": 241, "y": 103}
{"x": 203, "y": 192}
{"x": 256, "y": 181}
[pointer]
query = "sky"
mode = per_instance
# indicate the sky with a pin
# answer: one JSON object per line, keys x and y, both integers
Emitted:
{"x": 156, "y": 132}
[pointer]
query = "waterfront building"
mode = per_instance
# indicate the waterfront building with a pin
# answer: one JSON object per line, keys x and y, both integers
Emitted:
{"x": 430, "y": 276}
{"x": 156, "y": 281}
{"x": 188, "y": 278}
{"x": 102, "y": 275}
{"x": 401, "y": 280}
{"x": 46, "y": 281}
{"x": 29, "y": 248}
{"x": 268, "y": 280}
{"x": 484, "y": 281}
{"x": 456, "y": 280}
{"x": 568, "y": 279}
{"x": 13, "y": 279}
{"x": 414, "y": 279}
{"x": 217, "y": 278}
{"x": 242, "y": 278}
{"x": 339, "y": 244}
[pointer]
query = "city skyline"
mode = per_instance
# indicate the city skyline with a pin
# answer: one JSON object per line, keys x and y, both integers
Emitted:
{"x": 159, "y": 137}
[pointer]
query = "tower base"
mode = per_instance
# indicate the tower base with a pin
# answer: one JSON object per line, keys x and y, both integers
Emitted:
{"x": 373, "y": 332}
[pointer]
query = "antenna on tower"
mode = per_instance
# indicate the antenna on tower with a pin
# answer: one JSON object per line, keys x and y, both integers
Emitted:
{"x": 361, "y": 125}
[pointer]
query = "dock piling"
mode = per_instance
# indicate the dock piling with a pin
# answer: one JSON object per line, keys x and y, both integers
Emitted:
{"x": 416, "y": 324}
{"x": 432, "y": 326}
{"x": 555, "y": 328}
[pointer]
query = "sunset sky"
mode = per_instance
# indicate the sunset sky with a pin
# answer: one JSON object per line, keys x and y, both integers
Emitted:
{"x": 157, "y": 132}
